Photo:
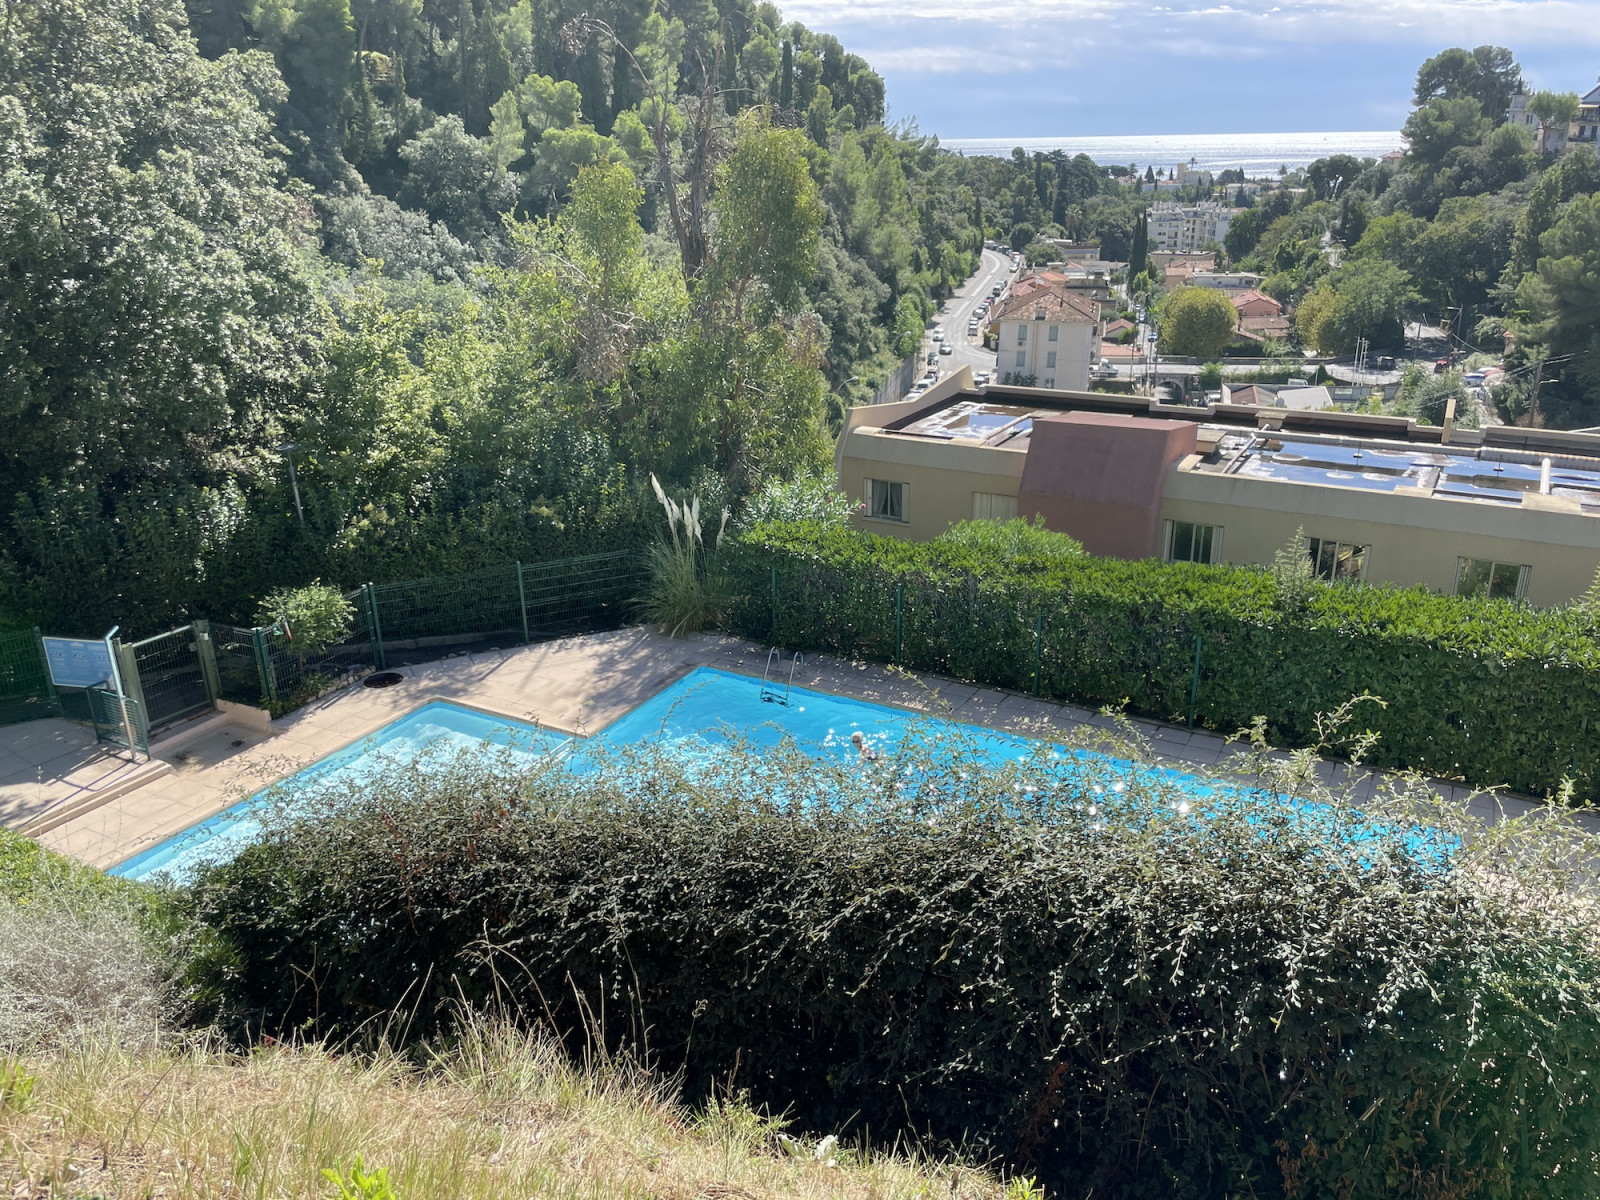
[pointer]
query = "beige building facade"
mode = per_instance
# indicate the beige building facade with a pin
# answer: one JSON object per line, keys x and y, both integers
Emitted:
{"x": 1506, "y": 513}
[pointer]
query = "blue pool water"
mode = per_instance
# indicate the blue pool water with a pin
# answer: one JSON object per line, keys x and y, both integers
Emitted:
{"x": 693, "y": 720}
{"x": 432, "y": 729}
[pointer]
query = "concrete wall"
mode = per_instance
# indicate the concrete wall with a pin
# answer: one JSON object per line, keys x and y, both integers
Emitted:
{"x": 1415, "y": 538}
{"x": 940, "y": 478}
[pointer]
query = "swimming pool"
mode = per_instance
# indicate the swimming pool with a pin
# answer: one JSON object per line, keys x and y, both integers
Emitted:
{"x": 693, "y": 720}
{"x": 437, "y": 728}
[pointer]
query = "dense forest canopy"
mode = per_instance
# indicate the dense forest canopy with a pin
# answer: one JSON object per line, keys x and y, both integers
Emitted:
{"x": 486, "y": 266}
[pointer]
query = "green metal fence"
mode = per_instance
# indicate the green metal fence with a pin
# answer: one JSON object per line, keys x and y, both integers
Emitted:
{"x": 25, "y": 690}
{"x": 118, "y": 720}
{"x": 184, "y": 671}
{"x": 171, "y": 675}
{"x": 522, "y": 602}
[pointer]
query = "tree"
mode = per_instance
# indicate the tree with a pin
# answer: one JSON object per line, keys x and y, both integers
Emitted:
{"x": 1364, "y": 298}
{"x": 768, "y": 216}
{"x": 455, "y": 178}
{"x": 1554, "y": 110}
{"x": 154, "y": 321}
{"x": 1444, "y": 124}
{"x": 1197, "y": 322}
{"x": 1139, "y": 251}
{"x": 1489, "y": 76}
{"x": 786, "y": 77}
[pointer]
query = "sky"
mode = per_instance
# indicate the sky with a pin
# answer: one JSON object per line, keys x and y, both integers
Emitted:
{"x": 1061, "y": 68}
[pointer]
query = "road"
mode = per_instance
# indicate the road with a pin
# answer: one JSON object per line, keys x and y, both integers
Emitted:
{"x": 958, "y": 311}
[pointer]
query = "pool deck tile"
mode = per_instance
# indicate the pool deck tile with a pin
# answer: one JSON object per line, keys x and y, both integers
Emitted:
{"x": 581, "y": 685}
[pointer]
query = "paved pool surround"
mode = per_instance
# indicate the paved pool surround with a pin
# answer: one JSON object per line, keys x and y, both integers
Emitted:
{"x": 580, "y": 685}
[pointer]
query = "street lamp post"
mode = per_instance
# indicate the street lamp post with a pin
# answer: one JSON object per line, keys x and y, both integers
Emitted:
{"x": 294, "y": 480}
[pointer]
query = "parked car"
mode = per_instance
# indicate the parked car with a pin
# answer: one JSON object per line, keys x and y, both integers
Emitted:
{"x": 981, "y": 378}
{"x": 1105, "y": 368}
{"x": 938, "y": 333}
{"x": 1385, "y": 362}
{"x": 933, "y": 356}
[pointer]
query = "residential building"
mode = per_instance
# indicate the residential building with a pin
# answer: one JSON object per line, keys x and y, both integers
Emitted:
{"x": 1584, "y": 133}
{"x": 1251, "y": 303}
{"x": 1047, "y": 334}
{"x": 1227, "y": 281}
{"x": 1187, "y": 228}
{"x": 1504, "y": 511}
{"x": 1581, "y": 134}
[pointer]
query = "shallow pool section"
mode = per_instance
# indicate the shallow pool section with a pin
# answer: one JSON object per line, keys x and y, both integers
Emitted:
{"x": 433, "y": 728}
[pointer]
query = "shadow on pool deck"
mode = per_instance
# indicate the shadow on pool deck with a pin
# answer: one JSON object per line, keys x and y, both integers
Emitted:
{"x": 582, "y": 684}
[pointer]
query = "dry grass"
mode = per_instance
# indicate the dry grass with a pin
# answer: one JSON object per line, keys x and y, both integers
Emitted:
{"x": 499, "y": 1115}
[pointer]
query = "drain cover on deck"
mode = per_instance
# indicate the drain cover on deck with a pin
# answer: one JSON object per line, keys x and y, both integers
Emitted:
{"x": 383, "y": 679}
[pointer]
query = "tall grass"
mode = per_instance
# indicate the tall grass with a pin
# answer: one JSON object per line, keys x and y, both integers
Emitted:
{"x": 688, "y": 588}
{"x": 496, "y": 1113}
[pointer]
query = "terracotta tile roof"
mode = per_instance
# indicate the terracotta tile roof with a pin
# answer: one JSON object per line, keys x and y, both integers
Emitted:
{"x": 1240, "y": 299}
{"x": 1055, "y": 305}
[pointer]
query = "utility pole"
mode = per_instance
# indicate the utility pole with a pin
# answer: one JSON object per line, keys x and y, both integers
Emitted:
{"x": 294, "y": 480}
{"x": 1533, "y": 398}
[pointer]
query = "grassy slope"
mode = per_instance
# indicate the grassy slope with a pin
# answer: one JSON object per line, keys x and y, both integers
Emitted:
{"x": 501, "y": 1116}
{"x": 498, "y": 1115}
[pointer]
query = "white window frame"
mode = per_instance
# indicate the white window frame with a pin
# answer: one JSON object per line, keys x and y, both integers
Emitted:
{"x": 1169, "y": 536}
{"x": 1523, "y": 571}
{"x": 1050, "y": 359}
{"x": 1055, "y": 333}
{"x": 905, "y": 489}
{"x": 1022, "y": 359}
{"x": 1022, "y": 333}
{"x": 984, "y": 505}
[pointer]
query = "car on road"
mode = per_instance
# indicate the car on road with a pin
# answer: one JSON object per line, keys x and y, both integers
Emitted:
{"x": 946, "y": 348}
{"x": 933, "y": 357}
{"x": 981, "y": 378}
{"x": 1386, "y": 362}
{"x": 1151, "y": 336}
{"x": 1105, "y": 368}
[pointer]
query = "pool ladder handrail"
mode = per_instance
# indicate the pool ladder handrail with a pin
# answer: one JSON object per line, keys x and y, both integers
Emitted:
{"x": 770, "y": 694}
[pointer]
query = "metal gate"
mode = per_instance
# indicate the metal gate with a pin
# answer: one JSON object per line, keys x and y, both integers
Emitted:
{"x": 171, "y": 676}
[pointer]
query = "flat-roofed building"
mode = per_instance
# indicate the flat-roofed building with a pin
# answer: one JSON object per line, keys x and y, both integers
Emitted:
{"x": 1508, "y": 512}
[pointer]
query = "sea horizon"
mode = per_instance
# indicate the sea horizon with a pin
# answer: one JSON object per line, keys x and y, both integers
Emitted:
{"x": 1255, "y": 153}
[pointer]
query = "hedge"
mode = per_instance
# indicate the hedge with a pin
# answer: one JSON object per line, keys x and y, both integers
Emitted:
{"x": 1489, "y": 691}
{"x": 1128, "y": 1008}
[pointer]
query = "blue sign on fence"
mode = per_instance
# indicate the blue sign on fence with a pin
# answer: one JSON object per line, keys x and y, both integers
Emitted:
{"x": 78, "y": 664}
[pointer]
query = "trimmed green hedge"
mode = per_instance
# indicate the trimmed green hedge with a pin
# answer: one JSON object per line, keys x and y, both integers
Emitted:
{"x": 1126, "y": 1006}
{"x": 1489, "y": 691}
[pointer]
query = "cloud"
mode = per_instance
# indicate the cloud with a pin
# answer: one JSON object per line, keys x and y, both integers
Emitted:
{"x": 1442, "y": 22}
{"x": 941, "y": 60}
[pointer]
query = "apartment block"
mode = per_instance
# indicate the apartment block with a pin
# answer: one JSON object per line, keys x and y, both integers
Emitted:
{"x": 1188, "y": 228}
{"x": 1503, "y": 512}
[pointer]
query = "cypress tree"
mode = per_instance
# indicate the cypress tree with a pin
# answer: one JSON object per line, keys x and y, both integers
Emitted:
{"x": 466, "y": 75}
{"x": 786, "y": 77}
{"x": 1139, "y": 253}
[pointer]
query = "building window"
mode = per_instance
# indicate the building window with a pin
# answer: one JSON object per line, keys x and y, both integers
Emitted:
{"x": 1055, "y": 333}
{"x": 1049, "y": 381}
{"x": 1050, "y": 359}
{"x": 1338, "y": 562}
{"x": 1187, "y": 542}
{"x": 992, "y": 506}
{"x": 1498, "y": 581}
{"x": 1022, "y": 359}
{"x": 1022, "y": 334}
{"x": 886, "y": 501}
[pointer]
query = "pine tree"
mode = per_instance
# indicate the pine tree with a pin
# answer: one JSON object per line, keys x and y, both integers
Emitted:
{"x": 786, "y": 77}
{"x": 363, "y": 142}
{"x": 977, "y": 218}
